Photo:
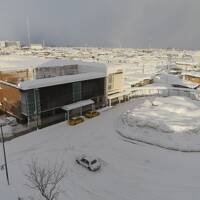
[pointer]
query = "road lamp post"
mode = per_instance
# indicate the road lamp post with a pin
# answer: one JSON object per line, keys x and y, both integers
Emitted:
{"x": 36, "y": 107}
{"x": 4, "y": 154}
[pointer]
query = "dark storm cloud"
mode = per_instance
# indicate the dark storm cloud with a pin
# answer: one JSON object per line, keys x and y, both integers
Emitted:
{"x": 131, "y": 23}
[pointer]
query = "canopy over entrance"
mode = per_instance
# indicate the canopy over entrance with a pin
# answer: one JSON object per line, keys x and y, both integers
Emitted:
{"x": 79, "y": 104}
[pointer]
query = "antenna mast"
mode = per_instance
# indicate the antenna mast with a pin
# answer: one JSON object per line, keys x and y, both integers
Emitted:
{"x": 28, "y": 31}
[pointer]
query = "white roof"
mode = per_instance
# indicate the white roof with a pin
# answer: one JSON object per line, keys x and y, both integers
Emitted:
{"x": 11, "y": 63}
{"x": 187, "y": 63}
{"x": 191, "y": 73}
{"x": 86, "y": 71}
{"x": 64, "y": 62}
{"x": 58, "y": 80}
{"x": 78, "y": 104}
{"x": 19, "y": 62}
{"x": 90, "y": 158}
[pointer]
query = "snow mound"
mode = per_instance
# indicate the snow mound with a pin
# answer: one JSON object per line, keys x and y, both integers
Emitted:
{"x": 171, "y": 122}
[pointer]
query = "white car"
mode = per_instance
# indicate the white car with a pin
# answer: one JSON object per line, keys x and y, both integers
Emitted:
{"x": 93, "y": 164}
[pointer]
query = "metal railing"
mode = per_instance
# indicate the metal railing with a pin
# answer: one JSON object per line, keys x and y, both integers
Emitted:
{"x": 165, "y": 92}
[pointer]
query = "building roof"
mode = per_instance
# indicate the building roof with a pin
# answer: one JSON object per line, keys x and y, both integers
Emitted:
{"x": 191, "y": 73}
{"x": 14, "y": 63}
{"x": 78, "y": 104}
{"x": 187, "y": 63}
{"x": 39, "y": 83}
{"x": 10, "y": 63}
{"x": 86, "y": 71}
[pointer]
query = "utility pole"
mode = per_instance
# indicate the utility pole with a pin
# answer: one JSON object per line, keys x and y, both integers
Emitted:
{"x": 36, "y": 108}
{"x": 43, "y": 43}
{"x": 4, "y": 153}
{"x": 120, "y": 45}
{"x": 143, "y": 68}
{"x": 28, "y": 31}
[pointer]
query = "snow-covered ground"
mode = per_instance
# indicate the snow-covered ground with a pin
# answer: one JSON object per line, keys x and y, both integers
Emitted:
{"x": 131, "y": 170}
{"x": 171, "y": 122}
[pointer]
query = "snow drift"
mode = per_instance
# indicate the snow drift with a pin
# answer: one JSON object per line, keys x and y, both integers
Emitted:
{"x": 171, "y": 122}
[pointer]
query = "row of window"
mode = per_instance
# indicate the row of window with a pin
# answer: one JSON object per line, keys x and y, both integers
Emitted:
{"x": 60, "y": 95}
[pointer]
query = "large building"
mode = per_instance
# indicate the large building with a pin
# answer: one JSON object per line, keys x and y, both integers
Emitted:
{"x": 10, "y": 44}
{"x": 192, "y": 76}
{"x": 52, "y": 90}
{"x": 187, "y": 66}
{"x": 115, "y": 84}
{"x": 36, "y": 46}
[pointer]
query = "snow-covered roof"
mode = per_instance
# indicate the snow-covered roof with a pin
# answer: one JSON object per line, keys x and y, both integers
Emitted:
{"x": 86, "y": 71}
{"x": 58, "y": 80}
{"x": 78, "y": 104}
{"x": 187, "y": 63}
{"x": 62, "y": 62}
{"x": 11, "y": 63}
{"x": 191, "y": 73}
{"x": 170, "y": 79}
{"x": 19, "y": 62}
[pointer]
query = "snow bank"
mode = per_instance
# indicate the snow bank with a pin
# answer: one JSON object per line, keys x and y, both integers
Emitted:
{"x": 171, "y": 123}
{"x": 7, "y": 131}
{"x": 8, "y": 193}
{"x": 170, "y": 79}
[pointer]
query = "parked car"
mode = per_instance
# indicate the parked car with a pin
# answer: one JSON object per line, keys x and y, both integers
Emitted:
{"x": 91, "y": 113}
{"x": 11, "y": 121}
{"x": 75, "y": 120}
{"x": 91, "y": 163}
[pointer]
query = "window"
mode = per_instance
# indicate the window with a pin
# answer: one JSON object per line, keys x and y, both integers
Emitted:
{"x": 85, "y": 161}
{"x": 93, "y": 162}
{"x": 110, "y": 82}
{"x": 76, "y": 91}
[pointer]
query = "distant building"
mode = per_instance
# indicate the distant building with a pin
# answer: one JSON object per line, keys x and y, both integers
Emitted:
{"x": 36, "y": 46}
{"x": 193, "y": 77}
{"x": 115, "y": 84}
{"x": 7, "y": 44}
{"x": 187, "y": 65}
{"x": 196, "y": 57}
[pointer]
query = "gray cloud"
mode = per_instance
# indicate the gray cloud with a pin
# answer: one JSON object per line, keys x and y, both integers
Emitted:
{"x": 131, "y": 23}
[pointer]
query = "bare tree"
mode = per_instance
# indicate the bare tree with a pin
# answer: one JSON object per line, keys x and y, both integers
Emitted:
{"x": 45, "y": 179}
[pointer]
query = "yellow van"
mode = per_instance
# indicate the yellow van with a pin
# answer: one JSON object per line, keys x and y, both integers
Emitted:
{"x": 75, "y": 120}
{"x": 91, "y": 114}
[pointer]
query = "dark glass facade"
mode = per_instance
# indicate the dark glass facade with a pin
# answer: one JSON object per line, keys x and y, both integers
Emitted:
{"x": 47, "y": 102}
{"x": 93, "y": 88}
{"x": 55, "y": 96}
{"x": 60, "y": 95}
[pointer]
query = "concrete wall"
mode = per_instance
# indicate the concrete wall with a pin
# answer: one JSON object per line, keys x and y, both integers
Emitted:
{"x": 10, "y": 100}
{"x": 15, "y": 77}
{"x": 192, "y": 79}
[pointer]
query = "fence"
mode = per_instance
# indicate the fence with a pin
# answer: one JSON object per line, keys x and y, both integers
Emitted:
{"x": 165, "y": 92}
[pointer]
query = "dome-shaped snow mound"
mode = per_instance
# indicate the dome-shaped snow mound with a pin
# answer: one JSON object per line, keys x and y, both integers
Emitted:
{"x": 172, "y": 123}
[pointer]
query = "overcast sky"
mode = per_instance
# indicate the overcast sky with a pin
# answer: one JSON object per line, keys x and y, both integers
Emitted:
{"x": 129, "y": 23}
